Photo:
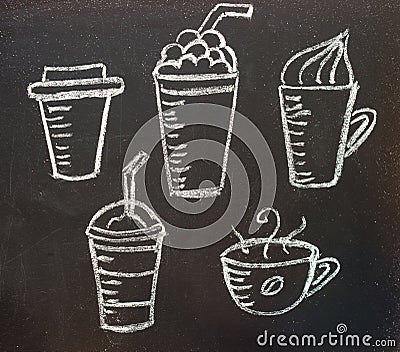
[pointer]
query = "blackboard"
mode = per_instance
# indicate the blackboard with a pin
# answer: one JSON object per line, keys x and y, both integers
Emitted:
{"x": 48, "y": 298}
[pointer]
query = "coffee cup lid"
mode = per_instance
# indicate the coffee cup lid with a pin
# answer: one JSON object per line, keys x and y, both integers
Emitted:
{"x": 75, "y": 82}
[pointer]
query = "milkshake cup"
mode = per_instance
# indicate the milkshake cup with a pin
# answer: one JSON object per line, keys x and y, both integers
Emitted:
{"x": 125, "y": 264}
{"x": 125, "y": 242}
{"x": 74, "y": 103}
{"x": 198, "y": 68}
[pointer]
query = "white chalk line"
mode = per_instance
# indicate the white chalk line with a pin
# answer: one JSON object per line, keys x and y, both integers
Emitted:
{"x": 169, "y": 113}
{"x": 239, "y": 272}
{"x": 300, "y": 154}
{"x": 177, "y": 147}
{"x": 241, "y": 288}
{"x": 308, "y": 173}
{"x": 125, "y": 275}
{"x": 109, "y": 292}
{"x": 178, "y": 155}
{"x": 170, "y": 119}
{"x": 297, "y": 123}
{"x": 62, "y": 135}
{"x": 305, "y": 180}
{"x": 56, "y": 118}
{"x": 63, "y": 156}
{"x": 179, "y": 179}
{"x": 173, "y": 103}
{"x": 299, "y": 113}
{"x": 261, "y": 265}
{"x": 235, "y": 279}
{"x": 122, "y": 249}
{"x": 84, "y": 67}
{"x": 59, "y": 108}
{"x": 296, "y": 98}
{"x": 296, "y": 133}
{"x": 174, "y": 126}
{"x": 105, "y": 259}
{"x": 111, "y": 300}
{"x": 192, "y": 92}
{"x": 197, "y": 77}
{"x": 338, "y": 57}
{"x": 180, "y": 169}
{"x": 111, "y": 282}
{"x": 129, "y": 304}
{"x": 363, "y": 131}
{"x": 62, "y": 147}
{"x": 241, "y": 239}
{"x": 326, "y": 268}
{"x": 62, "y": 125}
{"x": 77, "y": 94}
{"x": 294, "y": 107}
{"x": 241, "y": 297}
{"x": 247, "y": 12}
{"x": 319, "y": 87}
{"x": 150, "y": 233}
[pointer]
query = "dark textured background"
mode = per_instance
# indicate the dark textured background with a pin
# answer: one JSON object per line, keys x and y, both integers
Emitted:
{"x": 47, "y": 293}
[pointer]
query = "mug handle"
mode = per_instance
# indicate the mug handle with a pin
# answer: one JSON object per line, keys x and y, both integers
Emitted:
{"x": 331, "y": 267}
{"x": 368, "y": 118}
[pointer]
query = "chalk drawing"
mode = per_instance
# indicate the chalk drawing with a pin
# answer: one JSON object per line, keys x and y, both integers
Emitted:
{"x": 125, "y": 242}
{"x": 74, "y": 102}
{"x": 198, "y": 68}
{"x": 262, "y": 274}
{"x": 317, "y": 97}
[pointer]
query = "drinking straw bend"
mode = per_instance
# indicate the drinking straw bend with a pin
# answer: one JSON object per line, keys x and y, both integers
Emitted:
{"x": 129, "y": 172}
{"x": 223, "y": 10}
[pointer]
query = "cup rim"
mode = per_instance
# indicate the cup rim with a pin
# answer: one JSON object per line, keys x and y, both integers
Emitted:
{"x": 314, "y": 253}
{"x": 320, "y": 87}
{"x": 195, "y": 77}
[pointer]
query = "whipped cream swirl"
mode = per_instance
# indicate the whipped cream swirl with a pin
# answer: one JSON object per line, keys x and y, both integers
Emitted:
{"x": 326, "y": 63}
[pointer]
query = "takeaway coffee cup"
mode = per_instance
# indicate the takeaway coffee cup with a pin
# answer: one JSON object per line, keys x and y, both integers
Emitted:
{"x": 74, "y": 103}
